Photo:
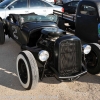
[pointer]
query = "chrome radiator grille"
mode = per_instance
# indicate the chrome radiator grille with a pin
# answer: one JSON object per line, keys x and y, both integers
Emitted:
{"x": 69, "y": 57}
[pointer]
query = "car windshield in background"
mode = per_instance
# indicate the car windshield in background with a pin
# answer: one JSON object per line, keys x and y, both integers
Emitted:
{"x": 39, "y": 18}
{"x": 4, "y": 3}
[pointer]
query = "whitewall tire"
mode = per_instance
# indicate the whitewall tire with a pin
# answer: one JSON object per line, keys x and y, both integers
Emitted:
{"x": 27, "y": 70}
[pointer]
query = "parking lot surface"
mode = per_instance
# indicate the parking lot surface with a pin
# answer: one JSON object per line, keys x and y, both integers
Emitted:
{"x": 86, "y": 87}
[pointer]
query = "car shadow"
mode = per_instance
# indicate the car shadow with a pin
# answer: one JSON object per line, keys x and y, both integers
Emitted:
{"x": 10, "y": 80}
{"x": 8, "y": 53}
{"x": 89, "y": 78}
{"x": 50, "y": 80}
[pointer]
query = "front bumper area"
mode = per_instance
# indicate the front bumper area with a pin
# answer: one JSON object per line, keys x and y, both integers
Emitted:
{"x": 71, "y": 77}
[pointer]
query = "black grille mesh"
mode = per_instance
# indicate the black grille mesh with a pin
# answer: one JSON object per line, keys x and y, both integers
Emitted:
{"x": 69, "y": 57}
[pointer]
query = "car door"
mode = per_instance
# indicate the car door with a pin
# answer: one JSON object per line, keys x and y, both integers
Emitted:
{"x": 18, "y": 7}
{"x": 38, "y": 7}
{"x": 16, "y": 28}
{"x": 87, "y": 23}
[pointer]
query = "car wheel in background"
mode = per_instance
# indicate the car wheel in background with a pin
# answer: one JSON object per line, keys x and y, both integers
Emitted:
{"x": 93, "y": 59}
{"x": 2, "y": 34}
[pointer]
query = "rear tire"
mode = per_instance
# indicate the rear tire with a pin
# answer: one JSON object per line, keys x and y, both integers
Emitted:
{"x": 2, "y": 34}
{"x": 93, "y": 59}
{"x": 27, "y": 70}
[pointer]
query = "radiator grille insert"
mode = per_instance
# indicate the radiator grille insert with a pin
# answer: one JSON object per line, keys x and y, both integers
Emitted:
{"x": 69, "y": 57}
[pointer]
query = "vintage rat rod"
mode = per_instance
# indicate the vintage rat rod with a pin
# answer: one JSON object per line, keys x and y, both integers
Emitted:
{"x": 47, "y": 50}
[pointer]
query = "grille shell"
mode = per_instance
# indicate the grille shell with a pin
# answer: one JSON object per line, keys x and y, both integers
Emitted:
{"x": 69, "y": 56}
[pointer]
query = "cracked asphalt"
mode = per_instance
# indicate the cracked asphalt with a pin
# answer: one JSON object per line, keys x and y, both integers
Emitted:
{"x": 86, "y": 87}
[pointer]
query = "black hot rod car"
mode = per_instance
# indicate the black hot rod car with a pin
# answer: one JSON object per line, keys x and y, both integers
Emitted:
{"x": 46, "y": 49}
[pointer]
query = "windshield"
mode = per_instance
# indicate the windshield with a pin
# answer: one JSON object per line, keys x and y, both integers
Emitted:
{"x": 4, "y": 3}
{"x": 37, "y": 18}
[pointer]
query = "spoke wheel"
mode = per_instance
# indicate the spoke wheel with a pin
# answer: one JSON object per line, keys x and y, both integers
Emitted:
{"x": 22, "y": 71}
{"x": 91, "y": 60}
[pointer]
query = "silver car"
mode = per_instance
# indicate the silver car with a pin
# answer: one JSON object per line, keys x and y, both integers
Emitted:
{"x": 39, "y": 7}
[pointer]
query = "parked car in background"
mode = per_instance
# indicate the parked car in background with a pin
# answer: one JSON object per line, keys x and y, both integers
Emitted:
{"x": 70, "y": 7}
{"x": 86, "y": 24}
{"x": 39, "y": 7}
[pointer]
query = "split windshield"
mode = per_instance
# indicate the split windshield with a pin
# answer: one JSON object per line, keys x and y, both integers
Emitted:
{"x": 37, "y": 18}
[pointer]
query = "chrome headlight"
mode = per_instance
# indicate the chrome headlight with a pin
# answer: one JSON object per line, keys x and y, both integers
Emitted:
{"x": 87, "y": 49}
{"x": 43, "y": 55}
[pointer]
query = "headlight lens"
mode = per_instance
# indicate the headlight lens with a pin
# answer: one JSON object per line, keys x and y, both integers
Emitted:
{"x": 87, "y": 49}
{"x": 43, "y": 55}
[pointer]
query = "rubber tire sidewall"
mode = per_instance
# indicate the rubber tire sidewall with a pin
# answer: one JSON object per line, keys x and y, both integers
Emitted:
{"x": 32, "y": 69}
{"x": 95, "y": 48}
{"x": 2, "y": 34}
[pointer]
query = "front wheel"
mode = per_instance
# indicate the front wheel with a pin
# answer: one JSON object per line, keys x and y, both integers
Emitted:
{"x": 93, "y": 59}
{"x": 27, "y": 70}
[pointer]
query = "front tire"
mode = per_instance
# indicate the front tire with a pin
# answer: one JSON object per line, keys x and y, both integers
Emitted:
{"x": 27, "y": 70}
{"x": 93, "y": 59}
